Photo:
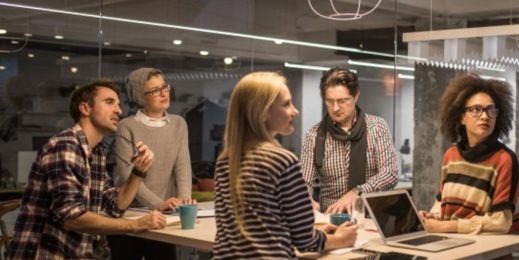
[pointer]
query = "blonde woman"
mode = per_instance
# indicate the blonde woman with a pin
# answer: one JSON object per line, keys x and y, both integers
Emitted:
{"x": 263, "y": 209}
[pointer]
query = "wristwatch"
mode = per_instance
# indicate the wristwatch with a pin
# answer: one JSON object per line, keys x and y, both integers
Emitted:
{"x": 138, "y": 173}
{"x": 357, "y": 191}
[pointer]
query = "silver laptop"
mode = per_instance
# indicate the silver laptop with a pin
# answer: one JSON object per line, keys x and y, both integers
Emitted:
{"x": 399, "y": 224}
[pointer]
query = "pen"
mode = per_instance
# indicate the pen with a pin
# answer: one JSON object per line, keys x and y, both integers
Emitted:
{"x": 140, "y": 209}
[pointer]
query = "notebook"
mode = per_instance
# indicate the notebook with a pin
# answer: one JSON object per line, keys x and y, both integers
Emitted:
{"x": 399, "y": 224}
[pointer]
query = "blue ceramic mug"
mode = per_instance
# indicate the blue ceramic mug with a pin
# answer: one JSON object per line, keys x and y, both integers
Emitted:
{"x": 188, "y": 215}
{"x": 339, "y": 218}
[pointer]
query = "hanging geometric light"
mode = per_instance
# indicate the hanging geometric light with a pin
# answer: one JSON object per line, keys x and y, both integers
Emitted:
{"x": 342, "y": 16}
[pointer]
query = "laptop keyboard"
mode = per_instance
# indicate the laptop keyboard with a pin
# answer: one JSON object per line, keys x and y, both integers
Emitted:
{"x": 422, "y": 240}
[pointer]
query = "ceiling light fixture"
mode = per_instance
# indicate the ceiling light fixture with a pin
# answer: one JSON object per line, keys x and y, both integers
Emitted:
{"x": 382, "y": 66}
{"x": 3, "y": 31}
{"x": 218, "y": 32}
{"x": 310, "y": 67}
{"x": 490, "y": 77}
{"x": 27, "y": 34}
{"x": 177, "y": 42}
{"x": 490, "y": 68}
{"x": 14, "y": 42}
{"x": 204, "y": 53}
{"x": 2, "y": 67}
{"x": 73, "y": 69}
{"x": 64, "y": 57}
{"x": 30, "y": 55}
{"x": 338, "y": 16}
{"x": 405, "y": 76}
{"x": 227, "y": 60}
{"x": 306, "y": 67}
{"x": 58, "y": 37}
{"x": 107, "y": 43}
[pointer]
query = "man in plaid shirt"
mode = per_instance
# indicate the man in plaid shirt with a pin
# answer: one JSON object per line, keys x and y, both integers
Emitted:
{"x": 355, "y": 153}
{"x": 68, "y": 185}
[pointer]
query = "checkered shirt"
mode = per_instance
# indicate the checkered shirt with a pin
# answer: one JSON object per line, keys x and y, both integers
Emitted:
{"x": 66, "y": 181}
{"x": 381, "y": 170}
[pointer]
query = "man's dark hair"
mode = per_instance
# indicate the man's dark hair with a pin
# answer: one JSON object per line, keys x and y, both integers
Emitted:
{"x": 339, "y": 76}
{"x": 461, "y": 89}
{"x": 87, "y": 94}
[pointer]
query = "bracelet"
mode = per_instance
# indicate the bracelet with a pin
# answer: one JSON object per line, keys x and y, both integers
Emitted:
{"x": 138, "y": 173}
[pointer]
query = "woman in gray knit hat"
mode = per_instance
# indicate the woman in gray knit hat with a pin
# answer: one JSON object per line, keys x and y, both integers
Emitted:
{"x": 168, "y": 181}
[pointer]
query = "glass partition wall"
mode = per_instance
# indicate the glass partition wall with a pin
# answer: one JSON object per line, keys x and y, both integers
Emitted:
{"x": 204, "y": 47}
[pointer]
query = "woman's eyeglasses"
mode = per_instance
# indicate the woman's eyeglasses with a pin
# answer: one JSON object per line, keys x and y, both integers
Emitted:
{"x": 477, "y": 110}
{"x": 166, "y": 88}
{"x": 135, "y": 150}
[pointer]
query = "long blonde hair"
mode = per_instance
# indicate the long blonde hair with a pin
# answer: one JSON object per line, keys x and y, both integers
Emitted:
{"x": 246, "y": 124}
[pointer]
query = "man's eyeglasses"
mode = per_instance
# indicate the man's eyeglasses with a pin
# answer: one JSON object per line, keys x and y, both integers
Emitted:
{"x": 166, "y": 88}
{"x": 135, "y": 151}
{"x": 340, "y": 101}
{"x": 477, "y": 110}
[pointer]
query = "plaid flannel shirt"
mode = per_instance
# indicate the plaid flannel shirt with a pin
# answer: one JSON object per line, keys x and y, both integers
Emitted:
{"x": 66, "y": 181}
{"x": 381, "y": 166}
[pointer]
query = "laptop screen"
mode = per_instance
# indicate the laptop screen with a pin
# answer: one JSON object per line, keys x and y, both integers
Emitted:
{"x": 395, "y": 214}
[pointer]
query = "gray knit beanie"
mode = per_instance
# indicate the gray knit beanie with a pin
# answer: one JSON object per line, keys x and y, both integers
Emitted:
{"x": 135, "y": 84}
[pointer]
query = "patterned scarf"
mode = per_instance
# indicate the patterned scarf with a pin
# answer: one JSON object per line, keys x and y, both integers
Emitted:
{"x": 359, "y": 142}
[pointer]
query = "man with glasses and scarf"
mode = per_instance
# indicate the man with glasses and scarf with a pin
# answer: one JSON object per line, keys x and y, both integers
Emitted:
{"x": 169, "y": 182}
{"x": 349, "y": 152}
{"x": 68, "y": 187}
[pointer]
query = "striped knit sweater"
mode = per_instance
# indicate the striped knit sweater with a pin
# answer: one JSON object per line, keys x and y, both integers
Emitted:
{"x": 277, "y": 212}
{"x": 480, "y": 195}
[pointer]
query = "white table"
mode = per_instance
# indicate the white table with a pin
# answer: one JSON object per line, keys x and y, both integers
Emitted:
{"x": 202, "y": 238}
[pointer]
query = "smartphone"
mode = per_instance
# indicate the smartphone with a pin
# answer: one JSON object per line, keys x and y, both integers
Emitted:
{"x": 375, "y": 255}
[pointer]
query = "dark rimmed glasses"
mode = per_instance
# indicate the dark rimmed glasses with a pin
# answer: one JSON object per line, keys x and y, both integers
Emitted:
{"x": 166, "y": 88}
{"x": 135, "y": 150}
{"x": 477, "y": 110}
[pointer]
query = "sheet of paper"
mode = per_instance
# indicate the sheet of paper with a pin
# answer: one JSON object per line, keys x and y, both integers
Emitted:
{"x": 321, "y": 218}
{"x": 170, "y": 219}
{"x": 204, "y": 213}
{"x": 342, "y": 251}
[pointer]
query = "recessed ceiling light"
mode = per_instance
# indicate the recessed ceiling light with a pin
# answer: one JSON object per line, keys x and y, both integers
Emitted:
{"x": 3, "y": 31}
{"x": 227, "y": 60}
{"x": 27, "y": 34}
{"x": 14, "y": 42}
{"x": 177, "y": 42}
{"x": 128, "y": 55}
{"x": 73, "y": 69}
{"x": 145, "y": 51}
{"x": 278, "y": 42}
{"x": 107, "y": 43}
{"x": 58, "y": 37}
{"x": 2, "y": 67}
{"x": 30, "y": 55}
{"x": 204, "y": 53}
{"x": 64, "y": 57}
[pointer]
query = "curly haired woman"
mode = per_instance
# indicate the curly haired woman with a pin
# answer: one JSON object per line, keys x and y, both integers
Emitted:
{"x": 478, "y": 188}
